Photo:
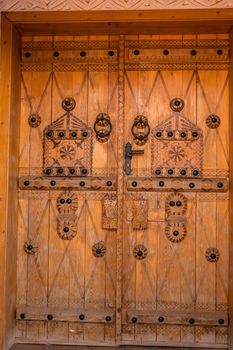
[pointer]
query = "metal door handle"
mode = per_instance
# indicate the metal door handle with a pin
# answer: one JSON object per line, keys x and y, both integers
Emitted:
{"x": 129, "y": 152}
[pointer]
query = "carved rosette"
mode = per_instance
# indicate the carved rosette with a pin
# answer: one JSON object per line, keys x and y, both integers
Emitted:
{"x": 176, "y": 205}
{"x": 67, "y": 202}
{"x": 67, "y": 227}
{"x": 140, "y": 252}
{"x": 175, "y": 231}
{"x": 212, "y": 254}
{"x": 34, "y": 120}
{"x": 213, "y": 121}
{"x": 30, "y": 247}
{"x": 67, "y": 205}
{"x": 99, "y": 249}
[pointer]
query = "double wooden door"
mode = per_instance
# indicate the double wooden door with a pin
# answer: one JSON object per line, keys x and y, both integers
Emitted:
{"x": 123, "y": 191}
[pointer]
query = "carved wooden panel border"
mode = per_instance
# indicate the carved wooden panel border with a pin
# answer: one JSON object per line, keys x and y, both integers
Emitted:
{"x": 69, "y": 5}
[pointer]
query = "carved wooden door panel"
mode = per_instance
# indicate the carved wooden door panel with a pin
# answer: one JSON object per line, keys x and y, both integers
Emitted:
{"x": 175, "y": 250}
{"x": 123, "y": 191}
{"x": 66, "y": 249}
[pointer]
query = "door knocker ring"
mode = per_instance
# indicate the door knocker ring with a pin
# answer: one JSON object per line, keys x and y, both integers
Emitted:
{"x": 140, "y": 130}
{"x": 102, "y": 127}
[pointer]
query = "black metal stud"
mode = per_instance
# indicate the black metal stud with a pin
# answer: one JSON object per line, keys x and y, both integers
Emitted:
{"x": 134, "y": 319}
{"x": 191, "y": 321}
{"x": 56, "y": 54}
{"x": 62, "y": 201}
{"x": 85, "y": 133}
{"x": 82, "y": 53}
{"x": 193, "y": 52}
{"x": 84, "y": 171}
{"x": 171, "y": 203}
{"x": 220, "y": 184}
{"x": 195, "y": 172}
{"x": 48, "y": 171}
{"x": 170, "y": 171}
{"x": 22, "y": 316}
{"x": 219, "y": 52}
{"x": 158, "y": 134}
{"x": 109, "y": 183}
{"x": 53, "y": 183}
{"x": 221, "y": 321}
{"x": 108, "y": 318}
{"x": 194, "y": 134}
{"x": 192, "y": 185}
{"x": 82, "y": 183}
{"x": 183, "y": 134}
{"x": 158, "y": 172}
{"x": 178, "y": 203}
{"x": 81, "y": 317}
{"x": 61, "y": 134}
{"x": 136, "y": 52}
{"x": 161, "y": 319}
{"x": 110, "y": 53}
{"x": 175, "y": 233}
{"x": 74, "y": 134}
{"x": 183, "y": 172}
{"x": 134, "y": 184}
{"x": 60, "y": 171}
{"x": 27, "y": 54}
{"x": 170, "y": 134}
{"x": 166, "y": 52}
{"x": 49, "y": 134}
{"x": 26, "y": 183}
{"x": 66, "y": 229}
{"x": 161, "y": 183}
{"x": 72, "y": 171}
{"x": 69, "y": 201}
{"x": 50, "y": 317}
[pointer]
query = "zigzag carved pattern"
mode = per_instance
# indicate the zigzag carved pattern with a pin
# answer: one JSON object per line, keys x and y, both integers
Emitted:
{"x": 57, "y": 5}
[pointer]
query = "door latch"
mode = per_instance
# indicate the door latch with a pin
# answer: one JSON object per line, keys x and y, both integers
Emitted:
{"x": 128, "y": 156}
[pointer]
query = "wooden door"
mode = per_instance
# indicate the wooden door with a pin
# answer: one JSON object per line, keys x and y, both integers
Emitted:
{"x": 117, "y": 246}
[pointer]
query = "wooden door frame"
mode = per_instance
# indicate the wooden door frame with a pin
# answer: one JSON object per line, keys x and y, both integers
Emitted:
{"x": 14, "y": 24}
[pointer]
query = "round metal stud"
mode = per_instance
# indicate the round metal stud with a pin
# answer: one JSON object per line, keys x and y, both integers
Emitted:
{"x": 134, "y": 183}
{"x": 99, "y": 249}
{"x": 67, "y": 229}
{"x": 49, "y": 134}
{"x": 193, "y": 52}
{"x": 27, "y": 54}
{"x": 212, "y": 254}
{"x": 56, "y": 54}
{"x": 158, "y": 134}
{"x": 170, "y": 171}
{"x": 108, "y": 318}
{"x": 110, "y": 53}
{"x": 213, "y": 121}
{"x": 170, "y": 134}
{"x": 157, "y": 172}
{"x": 81, "y": 317}
{"x": 109, "y": 183}
{"x": 60, "y": 171}
{"x": 165, "y": 52}
{"x": 191, "y": 321}
{"x": 134, "y": 319}
{"x": 194, "y": 134}
{"x": 183, "y": 172}
{"x": 82, "y": 183}
{"x": 221, "y": 321}
{"x": 161, "y": 183}
{"x": 195, "y": 172}
{"x": 82, "y": 53}
{"x": 171, "y": 203}
{"x": 191, "y": 185}
{"x": 84, "y": 171}
{"x": 72, "y": 171}
{"x": 220, "y": 185}
{"x": 74, "y": 134}
{"x": 50, "y": 317}
{"x": 68, "y": 104}
{"x": 34, "y": 120}
{"x": 84, "y": 133}
{"x": 219, "y": 52}
{"x": 177, "y": 104}
{"x": 136, "y": 52}
{"x": 161, "y": 319}
{"x": 22, "y": 316}
{"x": 48, "y": 171}
{"x": 26, "y": 183}
{"x": 140, "y": 252}
{"x": 53, "y": 183}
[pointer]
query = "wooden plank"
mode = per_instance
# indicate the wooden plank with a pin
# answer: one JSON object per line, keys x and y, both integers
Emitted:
{"x": 170, "y": 184}
{"x": 9, "y": 127}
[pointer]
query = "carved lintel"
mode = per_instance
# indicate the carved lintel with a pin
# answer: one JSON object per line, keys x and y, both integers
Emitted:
{"x": 109, "y": 213}
{"x": 74, "y": 183}
{"x": 140, "y": 214}
{"x": 165, "y": 184}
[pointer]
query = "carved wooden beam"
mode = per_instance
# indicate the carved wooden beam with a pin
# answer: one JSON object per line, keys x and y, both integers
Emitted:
{"x": 165, "y": 184}
{"x": 61, "y": 183}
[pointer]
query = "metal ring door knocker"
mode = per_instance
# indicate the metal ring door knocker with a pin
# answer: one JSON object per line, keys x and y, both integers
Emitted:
{"x": 102, "y": 127}
{"x": 140, "y": 130}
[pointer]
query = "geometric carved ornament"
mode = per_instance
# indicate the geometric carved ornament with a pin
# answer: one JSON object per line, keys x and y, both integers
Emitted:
{"x": 67, "y": 145}
{"x": 177, "y": 146}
